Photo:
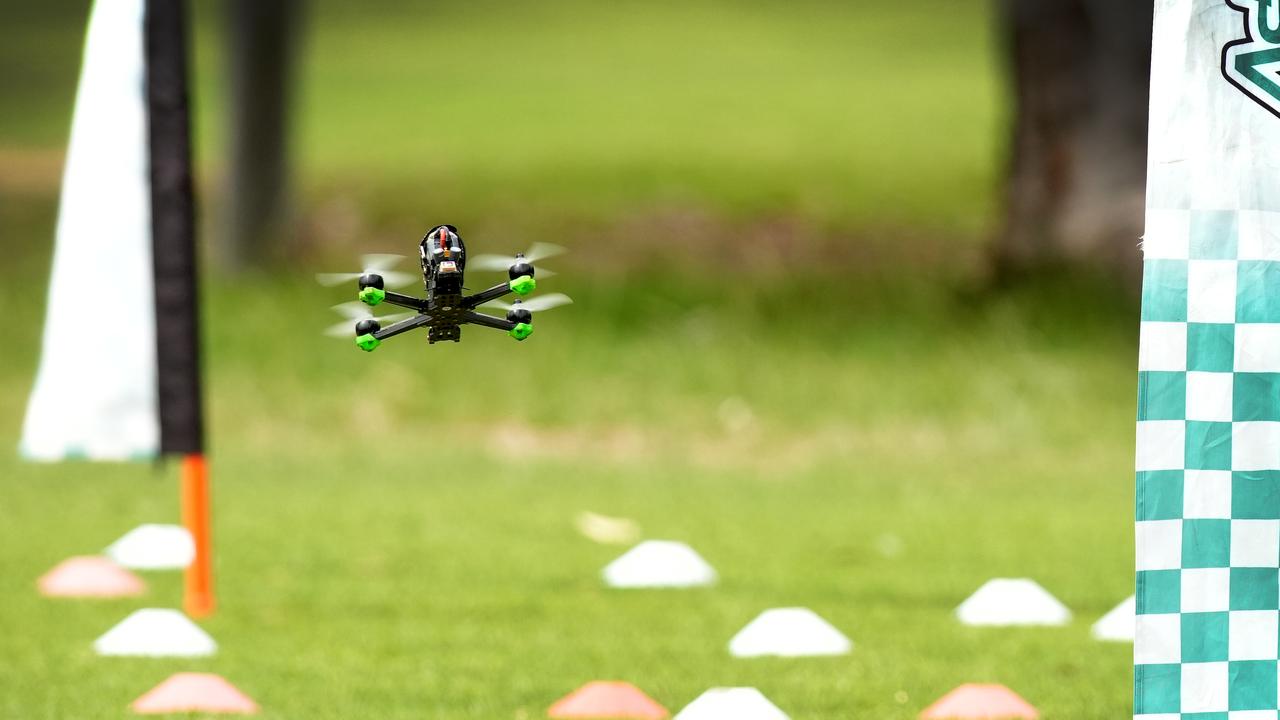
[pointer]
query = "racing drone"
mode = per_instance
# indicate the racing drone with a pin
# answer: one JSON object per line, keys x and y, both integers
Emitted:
{"x": 445, "y": 309}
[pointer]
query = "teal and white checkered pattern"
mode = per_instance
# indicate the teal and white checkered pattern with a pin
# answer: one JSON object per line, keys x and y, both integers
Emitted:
{"x": 1208, "y": 468}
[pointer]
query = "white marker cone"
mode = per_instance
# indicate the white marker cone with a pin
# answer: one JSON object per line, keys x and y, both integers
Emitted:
{"x": 156, "y": 633}
{"x": 1119, "y": 624}
{"x": 1006, "y": 601}
{"x": 789, "y": 632}
{"x": 154, "y": 547}
{"x": 740, "y": 703}
{"x": 659, "y": 563}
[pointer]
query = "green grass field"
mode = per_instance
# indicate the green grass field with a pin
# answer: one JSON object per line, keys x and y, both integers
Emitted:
{"x": 395, "y": 531}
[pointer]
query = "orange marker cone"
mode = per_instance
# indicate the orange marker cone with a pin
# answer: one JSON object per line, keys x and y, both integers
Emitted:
{"x": 194, "y": 692}
{"x": 90, "y": 576}
{"x": 980, "y": 702}
{"x": 608, "y": 700}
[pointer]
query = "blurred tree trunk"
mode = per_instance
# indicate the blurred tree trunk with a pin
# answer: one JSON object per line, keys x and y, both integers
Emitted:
{"x": 1080, "y": 73}
{"x": 262, "y": 39}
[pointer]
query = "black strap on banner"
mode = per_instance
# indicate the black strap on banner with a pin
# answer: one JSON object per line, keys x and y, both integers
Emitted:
{"x": 173, "y": 230}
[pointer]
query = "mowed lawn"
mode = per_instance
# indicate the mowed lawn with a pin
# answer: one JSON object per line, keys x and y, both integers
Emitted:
{"x": 395, "y": 530}
{"x": 861, "y": 435}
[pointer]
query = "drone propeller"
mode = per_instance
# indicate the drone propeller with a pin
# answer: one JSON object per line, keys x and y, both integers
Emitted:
{"x": 376, "y": 264}
{"x": 538, "y": 304}
{"x": 537, "y": 252}
{"x": 357, "y": 311}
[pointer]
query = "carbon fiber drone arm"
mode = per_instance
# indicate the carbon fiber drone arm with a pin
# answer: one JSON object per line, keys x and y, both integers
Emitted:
{"x": 406, "y": 301}
{"x": 402, "y": 327}
{"x": 496, "y": 323}
{"x": 485, "y": 296}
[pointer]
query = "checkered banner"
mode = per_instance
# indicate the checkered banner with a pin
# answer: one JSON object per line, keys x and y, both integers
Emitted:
{"x": 1208, "y": 440}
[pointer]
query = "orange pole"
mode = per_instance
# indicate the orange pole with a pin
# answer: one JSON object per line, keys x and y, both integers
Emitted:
{"x": 199, "y": 600}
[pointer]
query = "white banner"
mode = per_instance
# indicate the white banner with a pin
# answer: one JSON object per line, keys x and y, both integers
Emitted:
{"x": 95, "y": 391}
{"x": 1208, "y": 440}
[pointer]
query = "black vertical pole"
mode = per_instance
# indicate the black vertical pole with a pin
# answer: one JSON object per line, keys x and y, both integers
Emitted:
{"x": 173, "y": 242}
{"x": 173, "y": 230}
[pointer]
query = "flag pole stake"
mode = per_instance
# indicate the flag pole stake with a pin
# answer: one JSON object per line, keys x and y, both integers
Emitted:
{"x": 199, "y": 600}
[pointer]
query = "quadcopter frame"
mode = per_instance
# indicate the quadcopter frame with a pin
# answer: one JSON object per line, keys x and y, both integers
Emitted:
{"x": 446, "y": 308}
{"x": 446, "y": 311}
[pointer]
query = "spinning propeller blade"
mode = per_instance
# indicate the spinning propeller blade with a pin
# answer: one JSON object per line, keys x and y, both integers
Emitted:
{"x": 536, "y": 253}
{"x": 357, "y": 311}
{"x": 538, "y": 304}
{"x": 376, "y": 264}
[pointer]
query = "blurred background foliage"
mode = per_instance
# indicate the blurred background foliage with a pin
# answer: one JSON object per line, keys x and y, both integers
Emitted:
{"x": 755, "y": 128}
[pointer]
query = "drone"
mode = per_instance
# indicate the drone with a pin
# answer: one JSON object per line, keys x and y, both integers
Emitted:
{"x": 445, "y": 309}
